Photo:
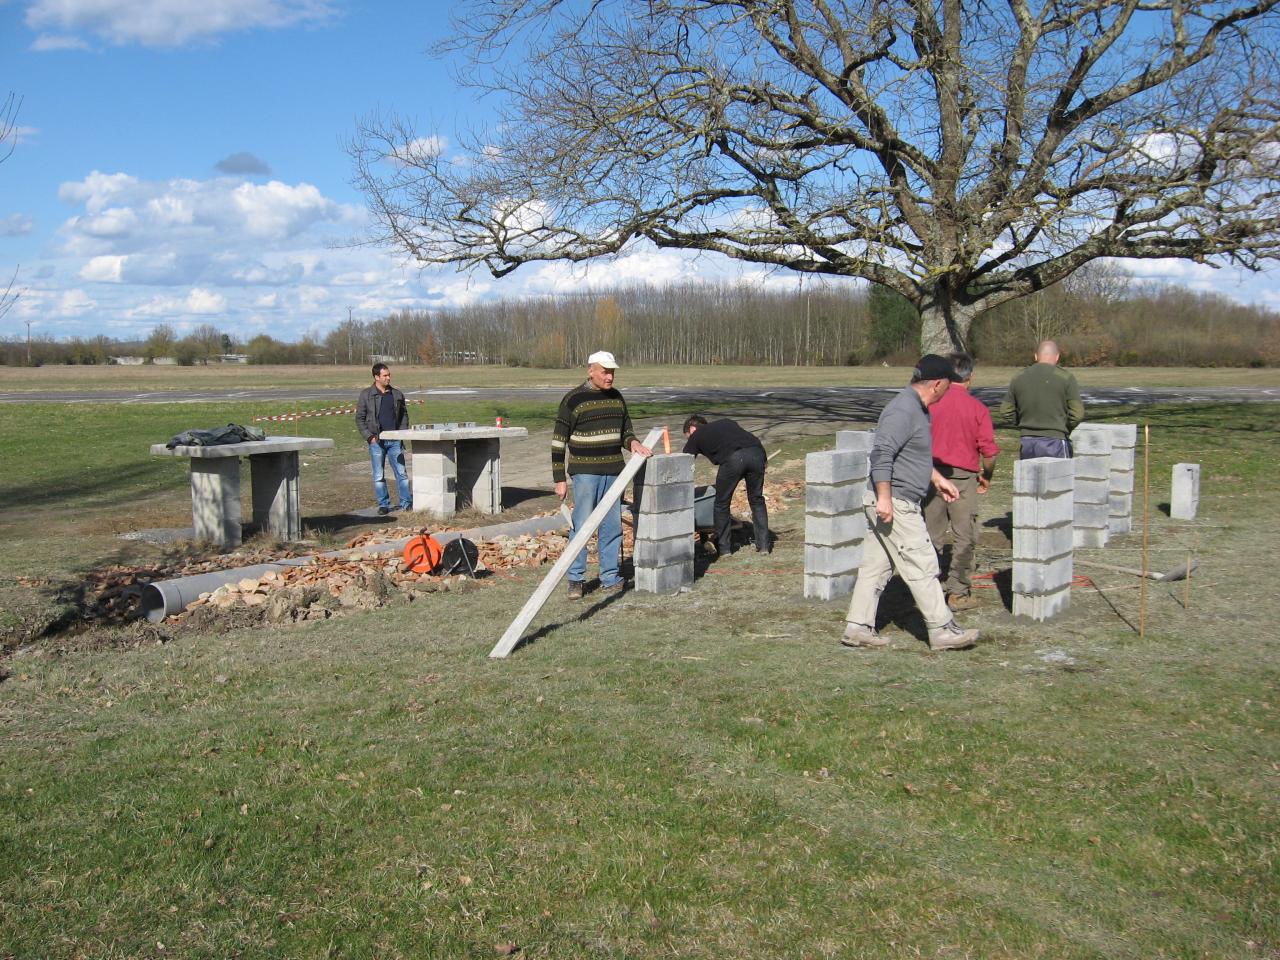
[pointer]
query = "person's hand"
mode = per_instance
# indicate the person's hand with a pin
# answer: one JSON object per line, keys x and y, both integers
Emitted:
{"x": 884, "y": 508}
{"x": 984, "y": 484}
{"x": 373, "y": 439}
{"x": 562, "y": 489}
{"x": 947, "y": 490}
{"x": 640, "y": 450}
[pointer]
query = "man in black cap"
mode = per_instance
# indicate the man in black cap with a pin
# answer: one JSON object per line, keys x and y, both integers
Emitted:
{"x": 902, "y": 472}
{"x": 740, "y": 456}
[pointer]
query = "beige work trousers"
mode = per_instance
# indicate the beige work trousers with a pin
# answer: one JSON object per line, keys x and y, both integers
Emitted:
{"x": 903, "y": 545}
{"x": 962, "y": 515}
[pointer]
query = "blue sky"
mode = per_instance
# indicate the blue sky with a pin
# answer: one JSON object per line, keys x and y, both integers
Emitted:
{"x": 182, "y": 162}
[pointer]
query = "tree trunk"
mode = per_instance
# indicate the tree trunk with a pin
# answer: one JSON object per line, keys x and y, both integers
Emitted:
{"x": 944, "y": 324}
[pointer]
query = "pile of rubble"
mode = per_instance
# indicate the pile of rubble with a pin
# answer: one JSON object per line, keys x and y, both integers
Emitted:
{"x": 777, "y": 496}
{"x": 329, "y": 586}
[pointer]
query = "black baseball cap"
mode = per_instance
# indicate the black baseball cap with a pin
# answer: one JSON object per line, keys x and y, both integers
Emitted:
{"x": 933, "y": 367}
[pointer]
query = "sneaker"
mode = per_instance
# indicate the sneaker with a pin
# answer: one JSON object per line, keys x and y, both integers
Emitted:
{"x": 575, "y": 590}
{"x": 615, "y": 587}
{"x": 860, "y": 635}
{"x": 383, "y": 511}
{"x": 961, "y": 601}
{"x": 949, "y": 636}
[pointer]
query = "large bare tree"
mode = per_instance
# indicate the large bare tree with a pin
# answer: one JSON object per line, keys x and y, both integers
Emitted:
{"x": 961, "y": 153}
{"x": 8, "y": 138}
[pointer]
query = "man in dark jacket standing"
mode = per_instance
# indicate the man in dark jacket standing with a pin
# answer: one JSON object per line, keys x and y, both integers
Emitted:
{"x": 740, "y": 456}
{"x": 382, "y": 407}
{"x": 591, "y": 432}
{"x": 1044, "y": 404}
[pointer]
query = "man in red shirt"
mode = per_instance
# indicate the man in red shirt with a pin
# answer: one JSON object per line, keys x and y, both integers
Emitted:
{"x": 964, "y": 451}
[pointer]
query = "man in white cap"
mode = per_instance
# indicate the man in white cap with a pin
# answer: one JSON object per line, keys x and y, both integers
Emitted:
{"x": 592, "y": 430}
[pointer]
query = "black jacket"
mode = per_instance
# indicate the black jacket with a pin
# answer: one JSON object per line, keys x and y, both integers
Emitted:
{"x": 367, "y": 410}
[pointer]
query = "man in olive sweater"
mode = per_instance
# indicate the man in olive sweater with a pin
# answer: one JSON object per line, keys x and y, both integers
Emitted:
{"x": 1044, "y": 403}
{"x": 592, "y": 429}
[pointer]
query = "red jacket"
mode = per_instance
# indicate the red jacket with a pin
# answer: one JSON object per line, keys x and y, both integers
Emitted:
{"x": 962, "y": 430}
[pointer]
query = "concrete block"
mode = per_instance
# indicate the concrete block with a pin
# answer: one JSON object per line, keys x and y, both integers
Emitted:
{"x": 1184, "y": 499}
{"x": 658, "y": 553}
{"x": 828, "y": 500}
{"x": 1119, "y": 524}
{"x": 1041, "y": 578}
{"x": 1042, "y": 607}
{"x": 668, "y": 468}
{"x": 1042, "y": 512}
{"x": 1091, "y": 442}
{"x": 827, "y": 561}
{"x": 833, "y": 531}
{"x": 1042, "y": 544}
{"x": 1043, "y": 476}
{"x": 1094, "y": 538}
{"x": 215, "y": 500}
{"x": 667, "y": 579}
{"x": 818, "y": 587}
{"x": 664, "y": 526}
{"x": 834, "y": 466}
{"x": 1090, "y": 490}
{"x": 666, "y": 498}
{"x": 274, "y": 483}
{"x": 1121, "y": 481}
{"x": 855, "y": 440}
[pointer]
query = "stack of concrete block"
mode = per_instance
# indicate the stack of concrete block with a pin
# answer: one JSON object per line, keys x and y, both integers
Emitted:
{"x": 1124, "y": 443}
{"x": 479, "y": 477}
{"x": 435, "y": 477}
{"x": 664, "y": 527}
{"x": 834, "y": 524}
{"x": 1185, "y": 498}
{"x": 1043, "y": 506}
{"x": 1092, "y": 448}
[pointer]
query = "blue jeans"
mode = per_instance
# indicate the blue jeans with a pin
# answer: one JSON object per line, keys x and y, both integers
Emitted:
{"x": 379, "y": 452}
{"x": 588, "y": 491}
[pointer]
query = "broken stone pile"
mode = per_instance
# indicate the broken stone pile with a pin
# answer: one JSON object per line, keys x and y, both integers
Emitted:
{"x": 359, "y": 580}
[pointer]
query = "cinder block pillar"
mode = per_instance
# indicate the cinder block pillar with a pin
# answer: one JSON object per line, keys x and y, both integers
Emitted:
{"x": 273, "y": 478}
{"x": 1092, "y": 449}
{"x": 215, "y": 499}
{"x": 479, "y": 474}
{"x": 1124, "y": 442}
{"x": 1185, "y": 499}
{"x": 664, "y": 527}
{"x": 834, "y": 524}
{"x": 1043, "y": 505}
{"x": 435, "y": 477}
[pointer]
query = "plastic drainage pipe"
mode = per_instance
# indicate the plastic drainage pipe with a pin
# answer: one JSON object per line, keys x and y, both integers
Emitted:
{"x": 167, "y": 597}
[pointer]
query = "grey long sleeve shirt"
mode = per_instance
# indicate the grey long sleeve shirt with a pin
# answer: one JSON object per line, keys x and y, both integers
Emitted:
{"x": 902, "y": 451}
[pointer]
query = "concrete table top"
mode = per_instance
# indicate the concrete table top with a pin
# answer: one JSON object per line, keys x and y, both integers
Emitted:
{"x": 246, "y": 449}
{"x": 456, "y": 433}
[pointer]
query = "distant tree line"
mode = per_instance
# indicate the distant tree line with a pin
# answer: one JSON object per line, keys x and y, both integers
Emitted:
{"x": 1099, "y": 316}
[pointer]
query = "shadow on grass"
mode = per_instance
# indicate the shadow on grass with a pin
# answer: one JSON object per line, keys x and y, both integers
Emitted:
{"x": 595, "y": 600}
{"x": 116, "y": 484}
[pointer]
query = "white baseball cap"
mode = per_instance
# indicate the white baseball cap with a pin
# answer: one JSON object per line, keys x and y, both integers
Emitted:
{"x": 604, "y": 358}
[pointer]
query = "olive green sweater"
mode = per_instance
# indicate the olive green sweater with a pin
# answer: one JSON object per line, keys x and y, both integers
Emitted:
{"x": 1043, "y": 401}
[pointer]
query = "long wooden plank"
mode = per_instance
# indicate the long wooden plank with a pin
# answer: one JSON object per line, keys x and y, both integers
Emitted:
{"x": 580, "y": 537}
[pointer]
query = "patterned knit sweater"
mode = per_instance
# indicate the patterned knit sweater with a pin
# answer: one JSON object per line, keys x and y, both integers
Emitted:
{"x": 592, "y": 428}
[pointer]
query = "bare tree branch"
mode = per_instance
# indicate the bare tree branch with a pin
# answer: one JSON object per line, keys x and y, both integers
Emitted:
{"x": 962, "y": 153}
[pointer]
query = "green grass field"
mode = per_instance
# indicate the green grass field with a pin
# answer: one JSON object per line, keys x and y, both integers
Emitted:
{"x": 702, "y": 776}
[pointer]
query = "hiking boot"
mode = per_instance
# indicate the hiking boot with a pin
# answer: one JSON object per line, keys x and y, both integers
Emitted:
{"x": 860, "y": 635}
{"x": 575, "y": 590}
{"x": 383, "y": 511}
{"x": 615, "y": 587}
{"x": 961, "y": 601}
{"x": 949, "y": 636}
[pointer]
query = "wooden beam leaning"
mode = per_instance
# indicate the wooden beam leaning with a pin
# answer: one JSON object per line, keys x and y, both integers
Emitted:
{"x": 540, "y": 596}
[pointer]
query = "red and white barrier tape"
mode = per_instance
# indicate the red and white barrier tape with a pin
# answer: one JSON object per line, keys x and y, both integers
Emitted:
{"x": 326, "y": 412}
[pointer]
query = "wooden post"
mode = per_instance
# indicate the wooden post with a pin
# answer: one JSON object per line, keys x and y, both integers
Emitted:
{"x": 540, "y": 596}
{"x": 1146, "y": 508}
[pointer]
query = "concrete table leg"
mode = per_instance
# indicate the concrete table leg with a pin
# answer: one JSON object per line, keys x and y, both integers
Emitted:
{"x": 435, "y": 477}
{"x": 215, "y": 499}
{"x": 274, "y": 480}
{"x": 480, "y": 474}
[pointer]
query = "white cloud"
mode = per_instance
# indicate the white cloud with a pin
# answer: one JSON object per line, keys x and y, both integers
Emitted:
{"x": 104, "y": 269}
{"x": 198, "y": 302}
{"x": 16, "y": 225}
{"x": 163, "y": 23}
{"x": 72, "y": 303}
{"x": 47, "y": 42}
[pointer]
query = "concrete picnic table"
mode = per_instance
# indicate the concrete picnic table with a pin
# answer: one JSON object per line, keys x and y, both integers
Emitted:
{"x": 456, "y": 466}
{"x": 215, "y": 485}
